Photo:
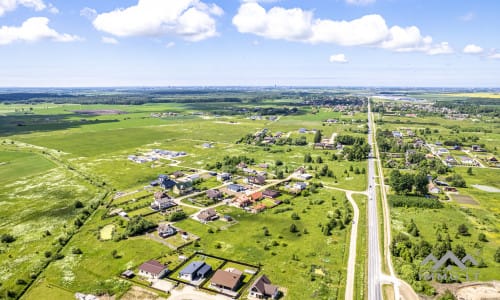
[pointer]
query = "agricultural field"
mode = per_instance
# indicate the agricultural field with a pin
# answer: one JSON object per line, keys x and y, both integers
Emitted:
{"x": 60, "y": 153}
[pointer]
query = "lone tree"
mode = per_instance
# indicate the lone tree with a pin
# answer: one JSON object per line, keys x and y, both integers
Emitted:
{"x": 317, "y": 136}
{"x": 463, "y": 230}
{"x": 7, "y": 238}
{"x": 293, "y": 228}
{"x": 496, "y": 257}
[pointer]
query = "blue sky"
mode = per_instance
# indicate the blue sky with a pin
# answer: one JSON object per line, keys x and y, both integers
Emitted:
{"x": 55, "y": 43}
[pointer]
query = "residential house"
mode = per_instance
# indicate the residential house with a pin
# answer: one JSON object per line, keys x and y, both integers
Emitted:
{"x": 433, "y": 189}
{"x": 301, "y": 170}
{"x": 214, "y": 194}
{"x": 177, "y": 174}
{"x": 260, "y": 207}
{"x": 450, "y": 189}
{"x": 229, "y": 279}
{"x": 195, "y": 270}
{"x": 162, "y": 203}
{"x": 302, "y": 130}
{"x": 208, "y": 215}
{"x": 223, "y": 176}
{"x": 450, "y": 160}
{"x": 256, "y": 196}
{"x": 466, "y": 160}
{"x": 299, "y": 186}
{"x": 235, "y": 188}
{"x": 193, "y": 178}
{"x": 207, "y": 145}
{"x": 249, "y": 171}
{"x": 397, "y": 134}
{"x": 305, "y": 176}
{"x": 492, "y": 159}
{"x": 262, "y": 288}
{"x": 260, "y": 180}
{"x": 166, "y": 230}
{"x": 152, "y": 269}
{"x": 166, "y": 183}
{"x": 241, "y": 165}
{"x": 271, "y": 194}
{"x": 243, "y": 201}
{"x": 264, "y": 166}
{"x": 183, "y": 188}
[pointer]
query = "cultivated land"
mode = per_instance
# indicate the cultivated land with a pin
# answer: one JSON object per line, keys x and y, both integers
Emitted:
{"x": 66, "y": 174}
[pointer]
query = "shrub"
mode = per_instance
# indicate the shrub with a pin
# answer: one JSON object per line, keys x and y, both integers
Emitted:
{"x": 7, "y": 238}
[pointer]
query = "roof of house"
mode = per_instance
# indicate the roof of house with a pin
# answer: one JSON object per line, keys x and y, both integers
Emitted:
{"x": 213, "y": 193}
{"x": 152, "y": 267}
{"x": 256, "y": 196}
{"x": 263, "y": 285}
{"x": 167, "y": 182}
{"x": 226, "y": 279}
{"x": 271, "y": 193}
{"x": 182, "y": 185}
{"x": 196, "y": 266}
{"x": 235, "y": 187}
{"x": 206, "y": 214}
{"x": 160, "y": 195}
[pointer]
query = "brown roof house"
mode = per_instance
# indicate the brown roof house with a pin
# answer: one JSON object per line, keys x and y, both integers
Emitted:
{"x": 230, "y": 279}
{"x": 214, "y": 194}
{"x": 263, "y": 289}
{"x": 152, "y": 269}
{"x": 208, "y": 215}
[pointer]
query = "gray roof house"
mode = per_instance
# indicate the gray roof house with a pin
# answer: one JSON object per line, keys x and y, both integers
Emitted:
{"x": 263, "y": 289}
{"x": 195, "y": 270}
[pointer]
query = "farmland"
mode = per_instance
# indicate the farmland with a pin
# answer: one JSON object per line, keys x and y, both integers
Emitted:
{"x": 59, "y": 153}
{"x": 75, "y": 196}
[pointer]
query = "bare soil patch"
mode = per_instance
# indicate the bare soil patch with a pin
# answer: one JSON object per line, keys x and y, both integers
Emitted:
{"x": 464, "y": 199}
{"x": 139, "y": 293}
{"x": 100, "y": 112}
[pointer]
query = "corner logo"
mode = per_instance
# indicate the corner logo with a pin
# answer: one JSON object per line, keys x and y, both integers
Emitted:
{"x": 449, "y": 256}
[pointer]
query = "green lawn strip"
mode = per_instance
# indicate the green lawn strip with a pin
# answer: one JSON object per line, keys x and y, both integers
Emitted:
{"x": 360, "y": 287}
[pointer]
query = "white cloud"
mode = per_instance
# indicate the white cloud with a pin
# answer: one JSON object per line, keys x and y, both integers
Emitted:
{"x": 472, "y": 49}
{"x": 441, "y": 48}
{"x": 88, "y": 13}
{"x": 468, "y": 17}
{"x": 192, "y": 20}
{"x": 300, "y": 26}
{"x": 494, "y": 56}
{"x": 10, "y": 5}
{"x": 170, "y": 45}
{"x": 338, "y": 58}
{"x": 109, "y": 40}
{"x": 33, "y": 30}
{"x": 52, "y": 9}
{"x": 360, "y": 2}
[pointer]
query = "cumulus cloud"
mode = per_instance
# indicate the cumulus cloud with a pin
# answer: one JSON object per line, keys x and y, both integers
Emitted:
{"x": 88, "y": 13}
{"x": 473, "y": 49}
{"x": 109, "y": 40}
{"x": 299, "y": 25}
{"x": 494, "y": 55}
{"x": 468, "y": 17}
{"x": 338, "y": 58}
{"x": 192, "y": 20}
{"x": 360, "y": 2}
{"x": 33, "y": 30}
{"x": 10, "y": 5}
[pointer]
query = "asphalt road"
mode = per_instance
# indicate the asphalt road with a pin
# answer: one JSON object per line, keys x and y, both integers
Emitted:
{"x": 374, "y": 266}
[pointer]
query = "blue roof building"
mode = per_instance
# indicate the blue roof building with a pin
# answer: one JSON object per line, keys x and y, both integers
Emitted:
{"x": 195, "y": 270}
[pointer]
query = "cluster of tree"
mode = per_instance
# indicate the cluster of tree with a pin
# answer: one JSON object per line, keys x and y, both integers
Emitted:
{"x": 177, "y": 216}
{"x": 357, "y": 152}
{"x": 138, "y": 225}
{"x": 403, "y": 183}
{"x": 338, "y": 219}
{"x": 229, "y": 163}
{"x": 457, "y": 180}
{"x": 413, "y": 201}
{"x": 350, "y": 140}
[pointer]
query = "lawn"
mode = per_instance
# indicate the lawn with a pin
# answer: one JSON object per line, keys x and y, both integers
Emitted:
{"x": 282, "y": 253}
{"x": 16, "y": 165}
